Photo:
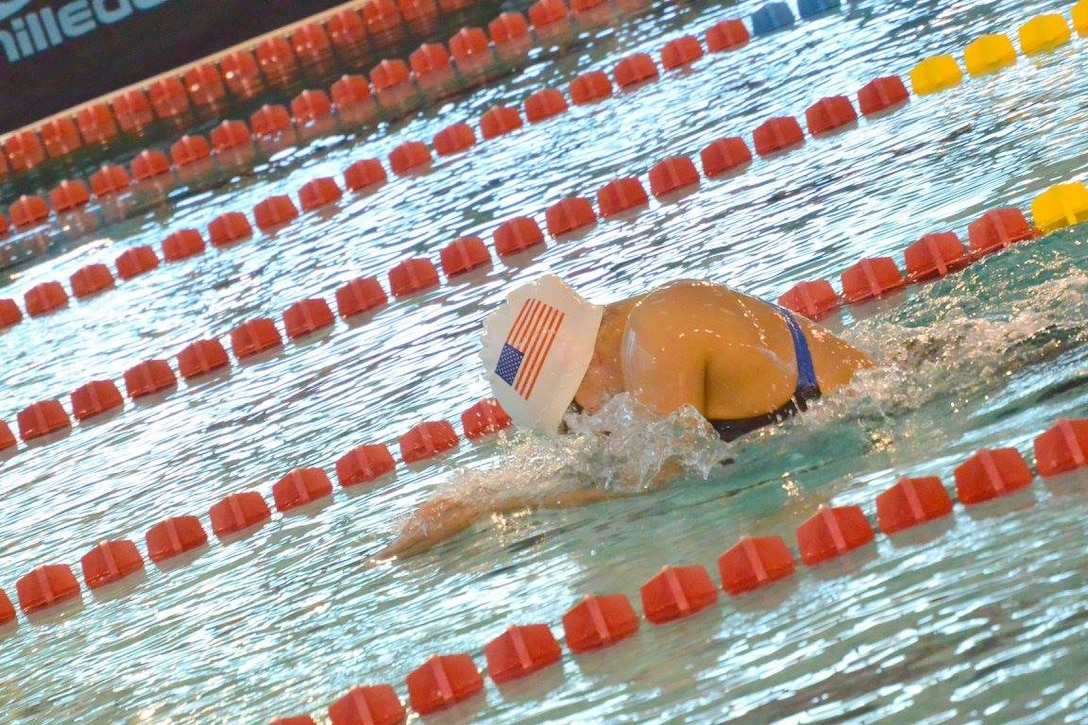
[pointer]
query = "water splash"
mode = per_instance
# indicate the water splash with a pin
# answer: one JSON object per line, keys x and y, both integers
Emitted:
{"x": 622, "y": 449}
{"x": 923, "y": 357}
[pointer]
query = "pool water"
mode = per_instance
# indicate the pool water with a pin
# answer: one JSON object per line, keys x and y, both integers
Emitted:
{"x": 978, "y": 618}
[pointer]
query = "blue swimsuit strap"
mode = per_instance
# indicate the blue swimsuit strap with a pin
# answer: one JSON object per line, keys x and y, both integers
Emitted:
{"x": 806, "y": 372}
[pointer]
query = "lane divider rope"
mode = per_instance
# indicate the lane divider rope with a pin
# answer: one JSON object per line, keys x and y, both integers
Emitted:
{"x": 678, "y": 591}
{"x": 987, "y": 475}
{"x": 393, "y": 90}
{"x": 933, "y": 255}
{"x": 191, "y": 94}
{"x": 775, "y": 135}
{"x": 1068, "y": 437}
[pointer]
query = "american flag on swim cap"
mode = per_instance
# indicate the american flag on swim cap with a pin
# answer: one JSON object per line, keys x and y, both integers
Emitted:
{"x": 526, "y": 347}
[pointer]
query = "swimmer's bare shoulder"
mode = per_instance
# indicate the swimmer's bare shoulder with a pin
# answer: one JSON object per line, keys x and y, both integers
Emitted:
{"x": 683, "y": 306}
{"x": 672, "y": 333}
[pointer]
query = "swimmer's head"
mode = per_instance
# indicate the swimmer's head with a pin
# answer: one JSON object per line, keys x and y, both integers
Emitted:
{"x": 536, "y": 349}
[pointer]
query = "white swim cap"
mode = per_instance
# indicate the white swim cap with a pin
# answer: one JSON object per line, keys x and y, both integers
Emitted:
{"x": 536, "y": 349}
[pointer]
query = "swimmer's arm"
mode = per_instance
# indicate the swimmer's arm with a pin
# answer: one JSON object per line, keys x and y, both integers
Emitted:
{"x": 848, "y": 359}
{"x": 443, "y": 518}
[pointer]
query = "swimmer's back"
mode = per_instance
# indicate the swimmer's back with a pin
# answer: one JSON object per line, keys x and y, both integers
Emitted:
{"x": 728, "y": 354}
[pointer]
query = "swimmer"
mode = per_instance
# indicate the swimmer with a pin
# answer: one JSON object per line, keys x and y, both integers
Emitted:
{"x": 739, "y": 361}
{"x": 742, "y": 363}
